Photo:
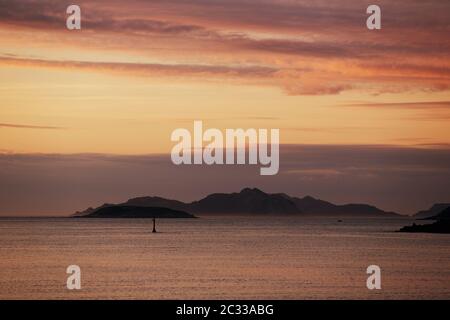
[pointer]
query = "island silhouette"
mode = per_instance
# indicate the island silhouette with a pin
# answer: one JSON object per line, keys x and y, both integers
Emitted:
{"x": 442, "y": 224}
{"x": 119, "y": 211}
{"x": 432, "y": 211}
{"x": 249, "y": 201}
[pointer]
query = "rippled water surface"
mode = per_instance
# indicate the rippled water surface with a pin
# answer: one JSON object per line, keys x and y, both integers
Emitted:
{"x": 220, "y": 258}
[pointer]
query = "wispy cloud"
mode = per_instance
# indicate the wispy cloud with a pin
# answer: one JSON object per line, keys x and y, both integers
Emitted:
{"x": 25, "y": 126}
{"x": 148, "y": 69}
{"x": 295, "y": 81}
{"x": 405, "y": 105}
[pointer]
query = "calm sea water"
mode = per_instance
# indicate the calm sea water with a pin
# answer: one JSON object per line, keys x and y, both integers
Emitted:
{"x": 221, "y": 258}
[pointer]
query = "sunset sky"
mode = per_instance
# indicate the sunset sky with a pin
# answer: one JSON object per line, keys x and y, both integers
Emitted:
{"x": 140, "y": 69}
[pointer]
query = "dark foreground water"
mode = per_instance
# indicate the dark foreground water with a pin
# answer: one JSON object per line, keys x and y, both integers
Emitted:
{"x": 220, "y": 258}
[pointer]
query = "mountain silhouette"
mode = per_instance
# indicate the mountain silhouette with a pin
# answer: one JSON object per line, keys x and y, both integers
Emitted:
{"x": 250, "y": 201}
{"x": 91, "y": 210}
{"x": 156, "y": 202}
{"x": 253, "y": 201}
{"x": 443, "y": 215}
{"x": 431, "y": 212}
{"x": 312, "y": 206}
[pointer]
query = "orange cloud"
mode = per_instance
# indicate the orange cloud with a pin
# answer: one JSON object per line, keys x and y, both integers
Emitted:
{"x": 303, "y": 47}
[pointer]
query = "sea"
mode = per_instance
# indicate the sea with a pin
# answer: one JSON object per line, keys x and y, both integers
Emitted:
{"x": 221, "y": 258}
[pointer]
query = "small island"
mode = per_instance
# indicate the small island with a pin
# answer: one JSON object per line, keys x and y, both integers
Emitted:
{"x": 436, "y": 227}
{"x": 442, "y": 224}
{"x": 119, "y": 211}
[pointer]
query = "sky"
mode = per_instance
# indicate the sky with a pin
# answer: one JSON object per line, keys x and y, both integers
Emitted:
{"x": 137, "y": 70}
